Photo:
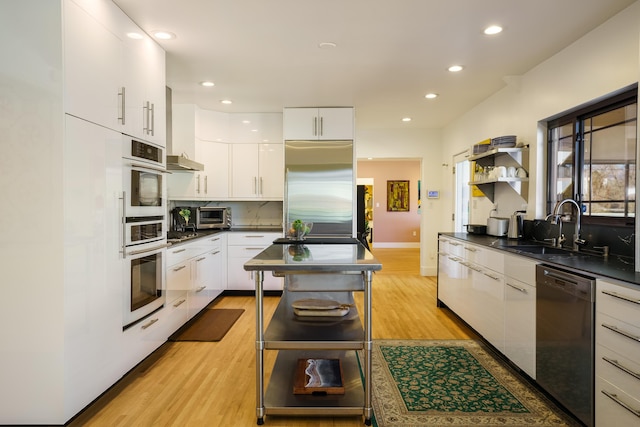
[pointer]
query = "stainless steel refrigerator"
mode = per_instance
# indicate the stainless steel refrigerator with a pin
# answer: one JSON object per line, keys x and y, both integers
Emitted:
{"x": 320, "y": 186}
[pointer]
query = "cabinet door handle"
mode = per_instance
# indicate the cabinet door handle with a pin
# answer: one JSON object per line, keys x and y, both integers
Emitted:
{"x": 491, "y": 276}
{"x": 517, "y": 288}
{"x": 122, "y": 96}
{"x": 321, "y": 125}
{"x": 179, "y": 303}
{"x": 622, "y": 297}
{"x": 151, "y": 322}
{"x": 315, "y": 126}
{"x": 616, "y": 399}
{"x": 255, "y": 185}
{"x": 206, "y": 184}
{"x": 621, "y": 332}
{"x": 198, "y": 184}
{"x": 152, "y": 113}
{"x": 623, "y": 368}
{"x": 260, "y": 187}
{"x": 180, "y": 268}
{"x": 145, "y": 110}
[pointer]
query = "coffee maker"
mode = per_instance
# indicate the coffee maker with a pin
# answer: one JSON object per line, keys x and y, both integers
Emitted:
{"x": 178, "y": 222}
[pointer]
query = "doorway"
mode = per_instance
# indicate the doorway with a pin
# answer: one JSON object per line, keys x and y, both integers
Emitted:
{"x": 461, "y": 191}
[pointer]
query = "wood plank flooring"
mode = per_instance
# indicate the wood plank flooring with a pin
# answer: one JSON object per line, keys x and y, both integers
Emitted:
{"x": 213, "y": 383}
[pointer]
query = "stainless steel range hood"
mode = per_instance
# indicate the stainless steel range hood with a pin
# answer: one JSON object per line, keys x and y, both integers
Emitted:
{"x": 182, "y": 163}
{"x": 177, "y": 162}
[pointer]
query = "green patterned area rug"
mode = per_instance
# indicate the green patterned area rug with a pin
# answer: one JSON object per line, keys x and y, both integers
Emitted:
{"x": 452, "y": 383}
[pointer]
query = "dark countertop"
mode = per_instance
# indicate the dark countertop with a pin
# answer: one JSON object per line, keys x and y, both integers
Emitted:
{"x": 615, "y": 267}
{"x": 314, "y": 257}
{"x": 200, "y": 234}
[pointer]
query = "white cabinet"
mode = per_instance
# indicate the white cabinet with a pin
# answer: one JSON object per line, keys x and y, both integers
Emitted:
{"x": 617, "y": 347}
{"x": 212, "y": 125}
{"x": 110, "y": 78}
{"x": 242, "y": 246}
{"x": 144, "y": 83}
{"x": 318, "y": 123}
{"x": 93, "y": 65}
{"x": 257, "y": 171}
{"x": 255, "y": 128}
{"x": 210, "y": 184}
{"x": 520, "y": 313}
{"x": 92, "y": 264}
{"x": 208, "y": 271}
{"x": 196, "y": 271}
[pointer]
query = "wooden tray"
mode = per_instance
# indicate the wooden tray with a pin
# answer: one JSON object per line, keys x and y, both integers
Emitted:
{"x": 328, "y": 377}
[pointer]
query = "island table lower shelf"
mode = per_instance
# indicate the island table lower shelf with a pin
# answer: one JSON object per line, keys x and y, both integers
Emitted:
{"x": 280, "y": 398}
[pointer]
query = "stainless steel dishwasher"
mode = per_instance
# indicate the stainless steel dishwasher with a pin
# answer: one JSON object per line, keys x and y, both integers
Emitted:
{"x": 565, "y": 339}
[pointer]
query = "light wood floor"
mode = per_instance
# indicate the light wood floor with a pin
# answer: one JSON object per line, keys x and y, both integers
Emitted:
{"x": 213, "y": 383}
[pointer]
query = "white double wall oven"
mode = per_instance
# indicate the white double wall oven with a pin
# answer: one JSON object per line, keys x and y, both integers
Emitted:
{"x": 144, "y": 237}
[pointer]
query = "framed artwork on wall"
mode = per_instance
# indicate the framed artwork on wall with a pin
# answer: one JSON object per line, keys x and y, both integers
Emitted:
{"x": 397, "y": 196}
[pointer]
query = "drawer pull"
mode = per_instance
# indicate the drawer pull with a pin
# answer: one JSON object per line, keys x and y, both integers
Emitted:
{"x": 623, "y": 368}
{"x": 622, "y": 297}
{"x": 178, "y": 251}
{"x": 215, "y": 252}
{"x": 454, "y": 244}
{"x": 179, "y": 268}
{"x": 478, "y": 269}
{"x": 621, "y": 332}
{"x": 616, "y": 399}
{"x": 201, "y": 259}
{"x": 254, "y": 237}
{"x": 470, "y": 249}
{"x": 517, "y": 288}
{"x": 151, "y": 322}
{"x": 200, "y": 289}
{"x": 179, "y": 303}
{"x": 491, "y": 276}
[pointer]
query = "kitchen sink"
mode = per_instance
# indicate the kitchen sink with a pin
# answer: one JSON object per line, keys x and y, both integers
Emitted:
{"x": 543, "y": 250}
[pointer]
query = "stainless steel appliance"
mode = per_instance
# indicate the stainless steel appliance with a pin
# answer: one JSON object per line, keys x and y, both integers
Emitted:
{"x": 565, "y": 307}
{"x": 497, "y": 226}
{"x": 211, "y": 217}
{"x": 144, "y": 280}
{"x": 143, "y": 239}
{"x": 320, "y": 186}
{"x": 516, "y": 224}
{"x": 143, "y": 178}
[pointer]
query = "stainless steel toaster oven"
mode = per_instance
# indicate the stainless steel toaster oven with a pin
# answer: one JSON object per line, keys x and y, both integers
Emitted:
{"x": 208, "y": 217}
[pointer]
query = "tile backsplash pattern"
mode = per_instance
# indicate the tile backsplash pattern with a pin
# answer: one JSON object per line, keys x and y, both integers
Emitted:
{"x": 244, "y": 214}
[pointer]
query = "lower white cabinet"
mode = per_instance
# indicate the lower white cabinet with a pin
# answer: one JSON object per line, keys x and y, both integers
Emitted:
{"x": 196, "y": 272}
{"x": 520, "y": 312}
{"x": 617, "y": 347}
{"x": 242, "y": 246}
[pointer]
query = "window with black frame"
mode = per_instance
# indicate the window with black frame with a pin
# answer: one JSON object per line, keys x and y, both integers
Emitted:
{"x": 592, "y": 160}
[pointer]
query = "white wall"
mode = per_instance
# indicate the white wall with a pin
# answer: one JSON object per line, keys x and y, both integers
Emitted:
{"x": 416, "y": 144}
{"x": 603, "y": 61}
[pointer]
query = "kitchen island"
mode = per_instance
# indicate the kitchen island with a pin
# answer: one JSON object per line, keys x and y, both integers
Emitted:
{"x": 315, "y": 271}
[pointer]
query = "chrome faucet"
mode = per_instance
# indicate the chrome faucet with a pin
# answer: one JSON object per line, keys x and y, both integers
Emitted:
{"x": 577, "y": 241}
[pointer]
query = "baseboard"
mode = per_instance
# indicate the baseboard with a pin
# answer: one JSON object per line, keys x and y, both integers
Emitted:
{"x": 411, "y": 245}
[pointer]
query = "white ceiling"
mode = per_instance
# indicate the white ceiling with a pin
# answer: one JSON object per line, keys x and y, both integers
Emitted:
{"x": 264, "y": 55}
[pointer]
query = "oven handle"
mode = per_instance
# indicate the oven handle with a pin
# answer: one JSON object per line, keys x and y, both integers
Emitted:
{"x": 137, "y": 165}
{"x": 142, "y": 251}
{"x": 123, "y": 222}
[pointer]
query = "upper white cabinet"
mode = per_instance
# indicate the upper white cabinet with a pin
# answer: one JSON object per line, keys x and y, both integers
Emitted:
{"x": 257, "y": 171}
{"x": 318, "y": 123}
{"x": 211, "y": 125}
{"x": 93, "y": 65}
{"x": 255, "y": 127}
{"x": 110, "y": 78}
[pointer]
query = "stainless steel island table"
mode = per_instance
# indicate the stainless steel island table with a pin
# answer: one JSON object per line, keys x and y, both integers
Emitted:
{"x": 315, "y": 271}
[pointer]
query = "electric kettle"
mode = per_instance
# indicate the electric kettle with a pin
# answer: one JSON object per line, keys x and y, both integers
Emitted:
{"x": 516, "y": 225}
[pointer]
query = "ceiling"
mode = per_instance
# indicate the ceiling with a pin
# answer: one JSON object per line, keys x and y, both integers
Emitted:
{"x": 265, "y": 55}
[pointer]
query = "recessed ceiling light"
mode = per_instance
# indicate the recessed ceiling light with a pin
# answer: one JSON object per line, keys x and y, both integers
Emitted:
{"x": 254, "y": 130}
{"x": 207, "y": 84}
{"x": 327, "y": 45}
{"x": 246, "y": 122}
{"x": 492, "y": 29}
{"x": 164, "y": 35}
{"x": 135, "y": 36}
{"x": 406, "y": 119}
{"x": 431, "y": 95}
{"x": 226, "y": 101}
{"x": 455, "y": 68}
